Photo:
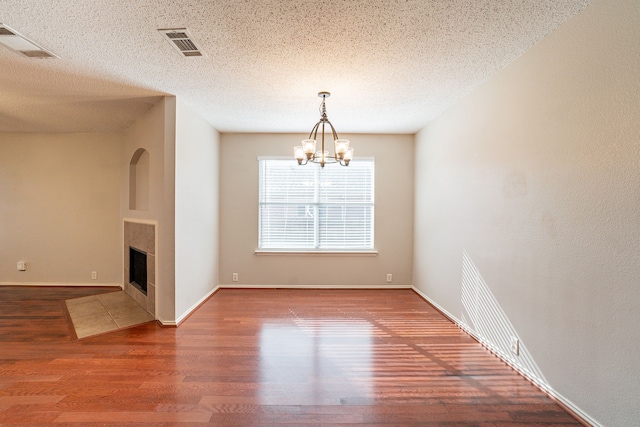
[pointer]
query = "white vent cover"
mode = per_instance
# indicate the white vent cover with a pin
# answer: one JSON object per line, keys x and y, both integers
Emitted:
{"x": 182, "y": 41}
{"x": 17, "y": 42}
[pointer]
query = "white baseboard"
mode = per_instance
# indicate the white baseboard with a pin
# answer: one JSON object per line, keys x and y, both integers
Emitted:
{"x": 241, "y": 286}
{"x": 544, "y": 387}
{"x": 57, "y": 284}
{"x": 176, "y": 322}
{"x": 187, "y": 313}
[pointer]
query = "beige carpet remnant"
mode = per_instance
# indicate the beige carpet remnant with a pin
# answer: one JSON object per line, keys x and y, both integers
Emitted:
{"x": 98, "y": 314}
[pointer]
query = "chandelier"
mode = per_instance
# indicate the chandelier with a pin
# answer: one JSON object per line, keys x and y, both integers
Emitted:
{"x": 306, "y": 152}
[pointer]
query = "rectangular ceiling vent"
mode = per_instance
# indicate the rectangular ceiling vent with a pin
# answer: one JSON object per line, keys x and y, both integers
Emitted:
{"x": 18, "y": 43}
{"x": 182, "y": 41}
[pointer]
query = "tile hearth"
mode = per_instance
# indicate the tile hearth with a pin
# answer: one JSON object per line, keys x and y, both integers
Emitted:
{"x": 99, "y": 314}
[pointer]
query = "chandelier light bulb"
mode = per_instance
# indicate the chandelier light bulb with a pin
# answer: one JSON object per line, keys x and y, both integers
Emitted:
{"x": 309, "y": 146}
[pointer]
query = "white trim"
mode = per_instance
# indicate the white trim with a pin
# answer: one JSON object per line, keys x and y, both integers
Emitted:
{"x": 167, "y": 323}
{"x": 367, "y": 158}
{"x": 141, "y": 220}
{"x": 175, "y": 323}
{"x": 193, "y": 307}
{"x": 240, "y": 286}
{"x": 275, "y": 158}
{"x": 312, "y": 199}
{"x": 315, "y": 253}
{"x": 57, "y": 284}
{"x": 544, "y": 387}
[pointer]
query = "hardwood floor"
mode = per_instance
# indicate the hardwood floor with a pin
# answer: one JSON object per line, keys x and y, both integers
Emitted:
{"x": 260, "y": 358}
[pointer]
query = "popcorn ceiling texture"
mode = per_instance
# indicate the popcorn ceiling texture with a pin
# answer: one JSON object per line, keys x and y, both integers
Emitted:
{"x": 391, "y": 66}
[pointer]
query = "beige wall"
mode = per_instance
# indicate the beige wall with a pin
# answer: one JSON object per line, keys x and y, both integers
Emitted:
{"x": 64, "y": 198}
{"x": 239, "y": 216}
{"x": 528, "y": 211}
{"x": 59, "y": 204}
{"x": 155, "y": 132}
{"x": 196, "y": 212}
{"x": 183, "y": 201}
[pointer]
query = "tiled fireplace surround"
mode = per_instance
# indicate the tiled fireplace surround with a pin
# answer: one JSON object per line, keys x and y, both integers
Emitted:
{"x": 141, "y": 236}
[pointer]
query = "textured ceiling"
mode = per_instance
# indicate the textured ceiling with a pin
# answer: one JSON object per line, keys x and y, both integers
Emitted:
{"x": 390, "y": 65}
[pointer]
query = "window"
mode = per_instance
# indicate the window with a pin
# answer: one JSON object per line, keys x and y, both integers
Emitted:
{"x": 309, "y": 208}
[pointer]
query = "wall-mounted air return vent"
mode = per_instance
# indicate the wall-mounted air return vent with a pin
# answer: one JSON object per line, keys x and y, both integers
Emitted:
{"x": 182, "y": 41}
{"x": 17, "y": 42}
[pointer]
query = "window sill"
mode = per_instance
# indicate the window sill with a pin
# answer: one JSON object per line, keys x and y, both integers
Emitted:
{"x": 315, "y": 253}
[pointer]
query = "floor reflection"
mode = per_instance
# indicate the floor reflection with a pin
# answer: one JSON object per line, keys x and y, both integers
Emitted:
{"x": 315, "y": 361}
{"x": 257, "y": 358}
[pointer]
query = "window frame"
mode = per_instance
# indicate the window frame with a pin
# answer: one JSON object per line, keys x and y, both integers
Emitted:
{"x": 316, "y": 205}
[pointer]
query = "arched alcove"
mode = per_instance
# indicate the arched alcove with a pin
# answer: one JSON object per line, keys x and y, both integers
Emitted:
{"x": 139, "y": 180}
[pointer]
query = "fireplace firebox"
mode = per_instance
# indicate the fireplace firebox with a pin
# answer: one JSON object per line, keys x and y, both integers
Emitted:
{"x": 138, "y": 269}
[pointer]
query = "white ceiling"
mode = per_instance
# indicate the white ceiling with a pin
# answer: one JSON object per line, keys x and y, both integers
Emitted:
{"x": 391, "y": 65}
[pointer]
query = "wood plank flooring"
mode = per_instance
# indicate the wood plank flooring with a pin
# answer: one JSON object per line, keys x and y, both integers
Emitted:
{"x": 260, "y": 358}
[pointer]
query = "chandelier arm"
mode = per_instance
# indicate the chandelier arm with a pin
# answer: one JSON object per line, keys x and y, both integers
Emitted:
{"x": 322, "y": 149}
{"x": 314, "y": 131}
{"x": 333, "y": 131}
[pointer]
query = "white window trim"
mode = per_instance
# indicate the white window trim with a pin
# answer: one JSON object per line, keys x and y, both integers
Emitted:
{"x": 317, "y": 252}
{"x": 359, "y": 253}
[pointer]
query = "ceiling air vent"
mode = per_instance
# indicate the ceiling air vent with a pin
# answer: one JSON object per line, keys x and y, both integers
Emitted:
{"x": 18, "y": 43}
{"x": 182, "y": 41}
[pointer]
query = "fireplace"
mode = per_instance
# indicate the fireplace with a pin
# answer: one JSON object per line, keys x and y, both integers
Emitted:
{"x": 138, "y": 269}
{"x": 139, "y": 263}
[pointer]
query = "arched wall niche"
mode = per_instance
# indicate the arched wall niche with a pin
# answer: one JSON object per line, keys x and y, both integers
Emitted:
{"x": 139, "y": 180}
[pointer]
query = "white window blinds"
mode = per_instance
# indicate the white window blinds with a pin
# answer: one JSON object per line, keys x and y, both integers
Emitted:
{"x": 314, "y": 208}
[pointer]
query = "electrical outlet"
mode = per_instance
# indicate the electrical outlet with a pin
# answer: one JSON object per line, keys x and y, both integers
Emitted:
{"x": 389, "y": 278}
{"x": 515, "y": 345}
{"x": 22, "y": 265}
{"x": 235, "y": 277}
{"x": 94, "y": 275}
